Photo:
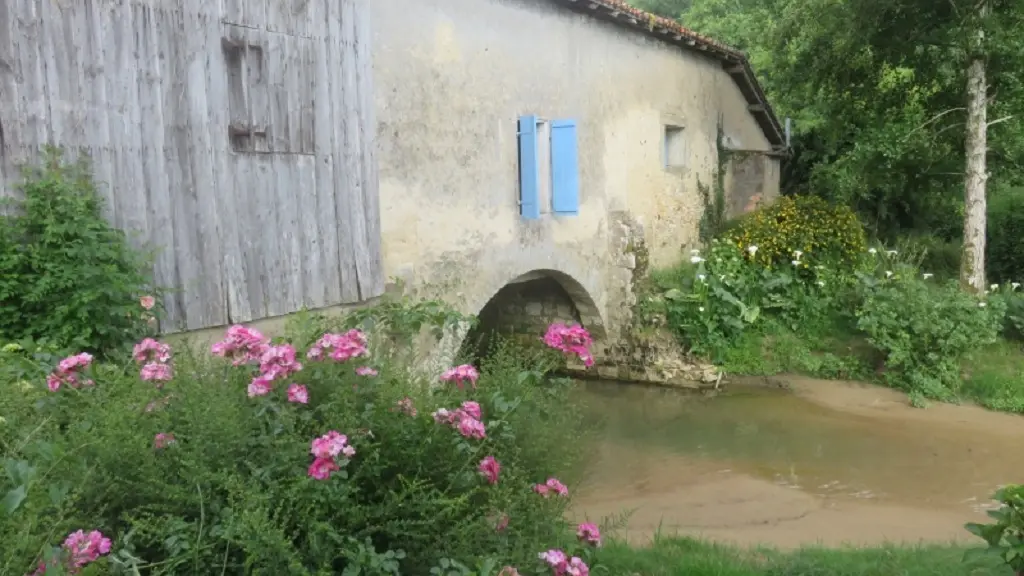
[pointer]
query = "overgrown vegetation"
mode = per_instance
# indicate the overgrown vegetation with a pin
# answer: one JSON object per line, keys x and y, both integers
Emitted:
{"x": 877, "y": 90}
{"x": 67, "y": 275}
{"x": 187, "y": 462}
{"x": 812, "y": 298}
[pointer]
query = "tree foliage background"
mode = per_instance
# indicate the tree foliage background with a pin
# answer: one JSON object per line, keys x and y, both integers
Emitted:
{"x": 876, "y": 90}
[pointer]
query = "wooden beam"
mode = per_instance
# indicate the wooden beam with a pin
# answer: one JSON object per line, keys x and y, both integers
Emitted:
{"x": 735, "y": 69}
{"x": 756, "y": 108}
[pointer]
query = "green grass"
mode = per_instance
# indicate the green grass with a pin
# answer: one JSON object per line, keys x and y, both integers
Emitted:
{"x": 994, "y": 376}
{"x": 686, "y": 557}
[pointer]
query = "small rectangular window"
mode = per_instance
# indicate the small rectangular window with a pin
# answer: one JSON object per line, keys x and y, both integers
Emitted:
{"x": 674, "y": 154}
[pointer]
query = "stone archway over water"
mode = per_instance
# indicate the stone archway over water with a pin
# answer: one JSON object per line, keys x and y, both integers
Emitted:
{"x": 526, "y": 305}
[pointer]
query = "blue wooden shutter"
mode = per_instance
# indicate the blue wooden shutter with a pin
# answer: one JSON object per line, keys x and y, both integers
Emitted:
{"x": 529, "y": 175}
{"x": 565, "y": 168}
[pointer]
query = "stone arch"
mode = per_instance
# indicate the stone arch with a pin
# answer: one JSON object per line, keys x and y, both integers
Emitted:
{"x": 525, "y": 305}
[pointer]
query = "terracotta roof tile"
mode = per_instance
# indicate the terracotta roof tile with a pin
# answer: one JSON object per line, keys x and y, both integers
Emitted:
{"x": 734, "y": 61}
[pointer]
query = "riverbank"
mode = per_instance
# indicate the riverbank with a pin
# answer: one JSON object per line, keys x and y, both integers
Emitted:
{"x": 685, "y": 557}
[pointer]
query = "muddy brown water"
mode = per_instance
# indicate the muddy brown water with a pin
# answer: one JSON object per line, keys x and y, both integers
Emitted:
{"x": 827, "y": 463}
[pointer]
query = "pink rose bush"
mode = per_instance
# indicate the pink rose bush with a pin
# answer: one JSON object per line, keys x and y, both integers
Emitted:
{"x": 570, "y": 340}
{"x": 69, "y": 372}
{"x": 430, "y": 449}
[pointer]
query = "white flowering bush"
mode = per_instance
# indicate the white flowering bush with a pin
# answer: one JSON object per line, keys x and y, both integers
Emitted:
{"x": 728, "y": 291}
{"x": 307, "y": 455}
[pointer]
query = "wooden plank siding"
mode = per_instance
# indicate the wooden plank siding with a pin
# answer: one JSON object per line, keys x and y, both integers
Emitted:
{"x": 237, "y": 138}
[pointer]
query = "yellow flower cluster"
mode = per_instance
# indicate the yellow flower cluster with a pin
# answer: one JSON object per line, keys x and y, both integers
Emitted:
{"x": 820, "y": 231}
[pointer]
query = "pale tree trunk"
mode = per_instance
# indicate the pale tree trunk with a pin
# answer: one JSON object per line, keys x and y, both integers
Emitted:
{"x": 972, "y": 264}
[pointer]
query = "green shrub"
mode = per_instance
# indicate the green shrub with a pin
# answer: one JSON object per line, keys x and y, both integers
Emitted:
{"x": 925, "y": 328}
{"x": 933, "y": 255}
{"x": 731, "y": 291}
{"x": 1005, "y": 536}
{"x": 824, "y": 233}
{"x": 65, "y": 274}
{"x": 229, "y": 493}
{"x": 1005, "y": 251}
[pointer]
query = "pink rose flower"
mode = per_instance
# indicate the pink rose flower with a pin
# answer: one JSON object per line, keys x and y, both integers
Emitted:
{"x": 321, "y": 468}
{"x": 472, "y": 408}
{"x": 490, "y": 468}
{"x": 84, "y": 548}
{"x": 589, "y": 534}
{"x": 330, "y": 445}
{"x": 470, "y": 427}
{"x": 147, "y": 302}
{"x": 260, "y": 386}
{"x": 551, "y": 486}
{"x": 156, "y": 372}
{"x": 406, "y": 406}
{"x": 366, "y": 371}
{"x": 297, "y": 393}
{"x": 460, "y": 375}
{"x": 163, "y": 440}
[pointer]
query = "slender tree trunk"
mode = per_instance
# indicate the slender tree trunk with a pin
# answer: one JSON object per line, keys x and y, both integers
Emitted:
{"x": 972, "y": 264}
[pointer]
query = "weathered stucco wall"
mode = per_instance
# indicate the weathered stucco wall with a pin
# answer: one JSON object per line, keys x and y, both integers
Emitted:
{"x": 452, "y": 78}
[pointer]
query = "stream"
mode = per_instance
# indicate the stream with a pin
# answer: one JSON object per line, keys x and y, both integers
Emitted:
{"x": 827, "y": 463}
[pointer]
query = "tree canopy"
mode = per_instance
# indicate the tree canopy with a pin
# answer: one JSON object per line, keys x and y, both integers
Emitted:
{"x": 877, "y": 93}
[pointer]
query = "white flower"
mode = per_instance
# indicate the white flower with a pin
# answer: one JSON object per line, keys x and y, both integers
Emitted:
{"x": 696, "y": 259}
{"x": 927, "y": 275}
{"x": 752, "y": 249}
{"x": 1015, "y": 285}
{"x": 820, "y": 283}
{"x": 872, "y": 251}
{"x": 701, "y": 308}
{"x": 700, "y": 277}
{"x": 982, "y": 304}
{"x": 888, "y": 273}
{"x": 798, "y": 254}
{"x": 994, "y": 287}
{"x": 891, "y": 252}
{"x": 796, "y": 262}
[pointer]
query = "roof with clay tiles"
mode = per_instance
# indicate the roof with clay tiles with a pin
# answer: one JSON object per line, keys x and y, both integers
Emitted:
{"x": 734, "y": 61}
